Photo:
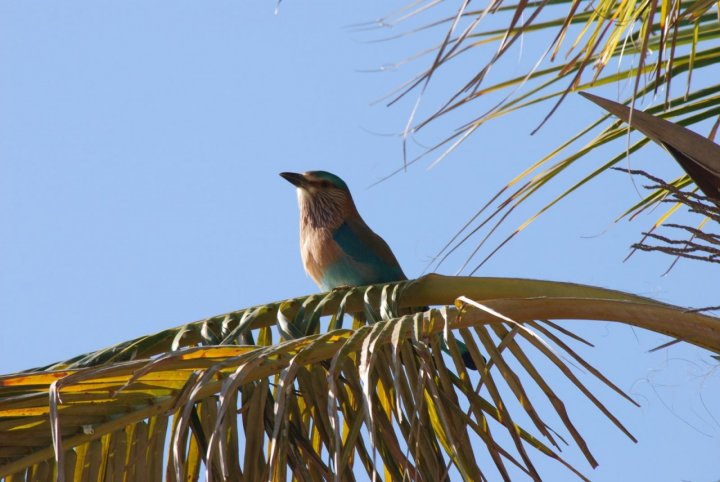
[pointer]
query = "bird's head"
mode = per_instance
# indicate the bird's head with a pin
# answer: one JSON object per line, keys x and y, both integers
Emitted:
{"x": 324, "y": 198}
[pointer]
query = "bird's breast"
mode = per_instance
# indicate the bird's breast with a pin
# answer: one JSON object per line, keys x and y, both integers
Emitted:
{"x": 319, "y": 251}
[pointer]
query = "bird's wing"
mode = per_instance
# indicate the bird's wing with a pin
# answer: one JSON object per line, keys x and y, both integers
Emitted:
{"x": 365, "y": 247}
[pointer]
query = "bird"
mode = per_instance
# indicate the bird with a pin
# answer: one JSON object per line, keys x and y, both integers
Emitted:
{"x": 338, "y": 248}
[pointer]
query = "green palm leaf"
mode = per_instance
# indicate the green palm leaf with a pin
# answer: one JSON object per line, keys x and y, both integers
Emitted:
{"x": 666, "y": 43}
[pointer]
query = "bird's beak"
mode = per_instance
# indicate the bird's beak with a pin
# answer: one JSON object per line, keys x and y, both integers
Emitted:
{"x": 294, "y": 178}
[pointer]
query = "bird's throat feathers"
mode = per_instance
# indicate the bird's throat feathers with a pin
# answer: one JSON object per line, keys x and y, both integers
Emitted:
{"x": 326, "y": 209}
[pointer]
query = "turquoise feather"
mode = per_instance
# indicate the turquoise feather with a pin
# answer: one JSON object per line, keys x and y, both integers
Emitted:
{"x": 366, "y": 258}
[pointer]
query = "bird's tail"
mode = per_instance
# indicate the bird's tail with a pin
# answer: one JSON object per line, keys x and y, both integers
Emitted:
{"x": 464, "y": 353}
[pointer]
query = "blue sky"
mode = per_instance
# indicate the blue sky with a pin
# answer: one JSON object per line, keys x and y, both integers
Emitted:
{"x": 140, "y": 144}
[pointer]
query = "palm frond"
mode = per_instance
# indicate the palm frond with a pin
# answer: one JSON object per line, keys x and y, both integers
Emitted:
{"x": 658, "y": 45}
{"x": 329, "y": 404}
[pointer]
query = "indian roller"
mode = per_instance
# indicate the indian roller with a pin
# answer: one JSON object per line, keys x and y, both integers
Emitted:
{"x": 337, "y": 247}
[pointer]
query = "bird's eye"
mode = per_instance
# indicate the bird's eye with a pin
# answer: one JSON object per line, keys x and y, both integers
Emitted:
{"x": 325, "y": 184}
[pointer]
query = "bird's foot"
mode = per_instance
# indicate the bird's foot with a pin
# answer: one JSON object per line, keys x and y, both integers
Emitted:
{"x": 341, "y": 288}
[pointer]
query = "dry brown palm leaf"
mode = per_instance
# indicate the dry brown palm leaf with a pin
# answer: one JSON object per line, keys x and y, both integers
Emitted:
{"x": 700, "y": 159}
{"x": 698, "y": 156}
